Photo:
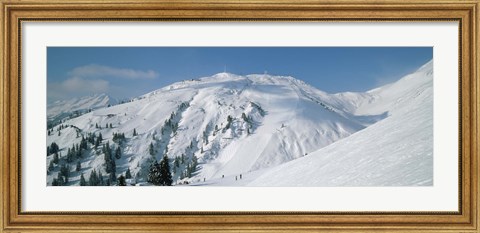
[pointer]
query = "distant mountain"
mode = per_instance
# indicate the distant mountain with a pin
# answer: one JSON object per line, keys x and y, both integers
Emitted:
{"x": 64, "y": 109}
{"x": 215, "y": 128}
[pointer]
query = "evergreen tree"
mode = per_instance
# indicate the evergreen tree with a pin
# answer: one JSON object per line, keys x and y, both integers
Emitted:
{"x": 244, "y": 117}
{"x": 55, "y": 158}
{"x": 110, "y": 165}
{"x": 176, "y": 162}
{"x": 118, "y": 153}
{"x": 154, "y": 175}
{"x": 96, "y": 126}
{"x": 192, "y": 166}
{"x": 99, "y": 140}
{"x": 113, "y": 177}
{"x": 55, "y": 182}
{"x": 182, "y": 159}
{"x": 83, "y": 143}
{"x": 82, "y": 181}
{"x": 70, "y": 154}
{"x": 53, "y": 148}
{"x": 189, "y": 171}
{"x": 118, "y": 137}
{"x": 108, "y": 148}
{"x": 106, "y": 125}
{"x": 205, "y": 137}
{"x": 93, "y": 180}
{"x": 65, "y": 170}
{"x": 194, "y": 161}
{"x": 229, "y": 121}
{"x": 101, "y": 182}
{"x": 121, "y": 181}
{"x": 59, "y": 133}
{"x": 110, "y": 125}
{"x": 151, "y": 150}
{"x": 93, "y": 137}
{"x": 175, "y": 127}
{"x": 128, "y": 175}
{"x": 134, "y": 132}
{"x": 60, "y": 180}
{"x": 97, "y": 143}
{"x": 79, "y": 166}
{"x": 165, "y": 175}
{"x": 50, "y": 166}
{"x": 78, "y": 152}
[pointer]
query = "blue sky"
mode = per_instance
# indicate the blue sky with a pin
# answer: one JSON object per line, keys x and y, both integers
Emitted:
{"x": 125, "y": 72}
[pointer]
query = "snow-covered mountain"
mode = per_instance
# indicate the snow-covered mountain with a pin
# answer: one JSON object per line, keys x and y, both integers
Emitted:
{"x": 397, "y": 151}
{"x": 62, "y": 109}
{"x": 215, "y": 128}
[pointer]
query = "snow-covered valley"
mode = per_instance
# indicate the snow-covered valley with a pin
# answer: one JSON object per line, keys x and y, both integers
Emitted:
{"x": 253, "y": 130}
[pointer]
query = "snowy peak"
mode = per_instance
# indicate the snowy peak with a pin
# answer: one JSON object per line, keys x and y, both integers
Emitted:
{"x": 388, "y": 99}
{"x": 229, "y": 123}
{"x": 427, "y": 68}
{"x": 398, "y": 96}
{"x": 59, "y": 110}
{"x": 421, "y": 75}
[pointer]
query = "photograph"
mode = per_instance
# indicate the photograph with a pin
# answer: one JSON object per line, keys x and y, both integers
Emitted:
{"x": 240, "y": 116}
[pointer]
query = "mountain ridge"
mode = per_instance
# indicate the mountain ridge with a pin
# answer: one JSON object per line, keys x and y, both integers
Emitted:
{"x": 60, "y": 110}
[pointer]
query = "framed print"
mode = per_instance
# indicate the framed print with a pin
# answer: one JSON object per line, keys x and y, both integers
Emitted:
{"x": 246, "y": 116}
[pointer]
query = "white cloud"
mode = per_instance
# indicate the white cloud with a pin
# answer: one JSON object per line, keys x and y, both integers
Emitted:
{"x": 77, "y": 86}
{"x": 93, "y": 70}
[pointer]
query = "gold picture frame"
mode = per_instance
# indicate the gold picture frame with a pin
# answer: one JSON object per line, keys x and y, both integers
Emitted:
{"x": 14, "y": 12}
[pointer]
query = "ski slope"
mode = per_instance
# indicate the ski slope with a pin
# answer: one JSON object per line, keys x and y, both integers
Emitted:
{"x": 396, "y": 151}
